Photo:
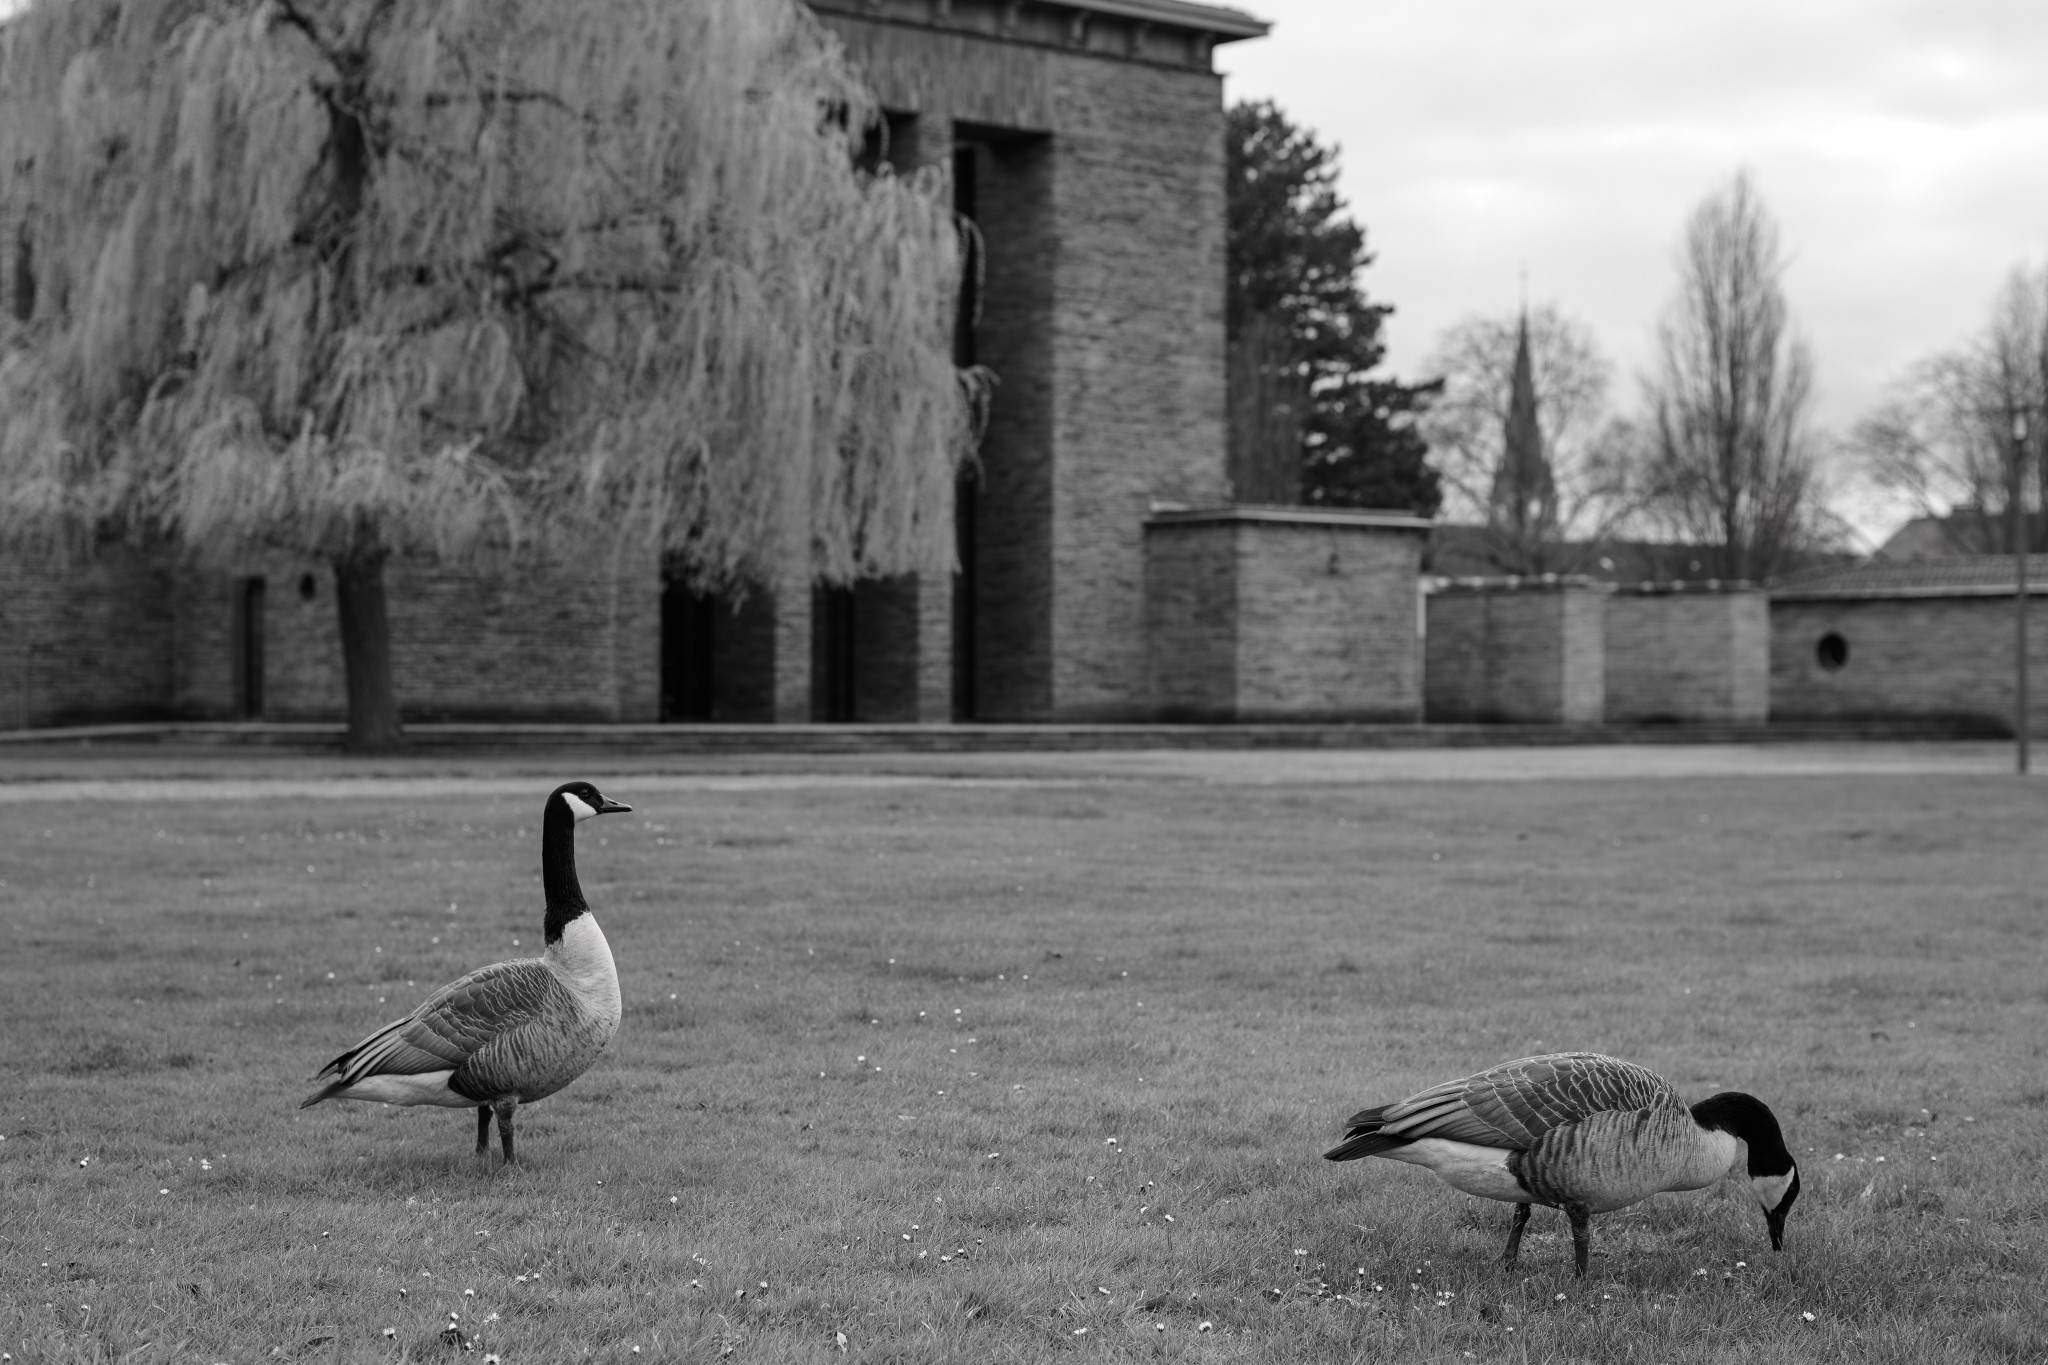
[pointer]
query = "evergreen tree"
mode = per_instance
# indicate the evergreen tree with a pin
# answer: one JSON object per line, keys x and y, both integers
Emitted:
{"x": 1304, "y": 332}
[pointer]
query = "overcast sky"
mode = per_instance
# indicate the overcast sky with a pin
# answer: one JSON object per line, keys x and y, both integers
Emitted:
{"x": 1902, "y": 146}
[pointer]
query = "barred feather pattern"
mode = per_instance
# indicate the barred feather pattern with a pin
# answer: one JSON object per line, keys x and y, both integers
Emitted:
{"x": 512, "y": 1029}
{"x": 1514, "y": 1104}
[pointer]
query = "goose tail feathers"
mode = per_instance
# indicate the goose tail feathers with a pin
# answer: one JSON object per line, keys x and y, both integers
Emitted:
{"x": 1362, "y": 1137}
{"x": 353, "y": 1065}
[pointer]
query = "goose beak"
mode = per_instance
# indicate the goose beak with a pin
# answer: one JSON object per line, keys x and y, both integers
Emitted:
{"x": 611, "y": 807}
{"x": 1776, "y": 1219}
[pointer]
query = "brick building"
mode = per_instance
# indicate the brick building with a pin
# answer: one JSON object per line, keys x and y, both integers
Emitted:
{"x": 1085, "y": 139}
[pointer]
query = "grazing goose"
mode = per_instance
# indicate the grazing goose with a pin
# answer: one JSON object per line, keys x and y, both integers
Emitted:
{"x": 1580, "y": 1132}
{"x": 511, "y": 1033}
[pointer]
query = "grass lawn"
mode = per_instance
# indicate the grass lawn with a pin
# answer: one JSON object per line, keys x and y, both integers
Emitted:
{"x": 1024, "y": 1071}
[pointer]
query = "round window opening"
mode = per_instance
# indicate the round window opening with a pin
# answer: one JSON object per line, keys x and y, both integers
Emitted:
{"x": 308, "y": 587}
{"x": 1832, "y": 651}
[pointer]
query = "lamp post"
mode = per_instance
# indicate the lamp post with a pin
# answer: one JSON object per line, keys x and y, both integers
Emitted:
{"x": 2018, "y": 513}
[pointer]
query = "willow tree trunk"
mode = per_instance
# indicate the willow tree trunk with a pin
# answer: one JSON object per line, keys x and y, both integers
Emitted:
{"x": 366, "y": 653}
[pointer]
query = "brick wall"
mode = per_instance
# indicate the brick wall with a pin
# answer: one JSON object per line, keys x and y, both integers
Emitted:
{"x": 567, "y": 642}
{"x": 1099, "y": 182}
{"x": 1530, "y": 653}
{"x": 1908, "y": 657}
{"x": 84, "y": 643}
{"x": 1191, "y": 619}
{"x": 1674, "y": 657}
{"x": 1270, "y": 614}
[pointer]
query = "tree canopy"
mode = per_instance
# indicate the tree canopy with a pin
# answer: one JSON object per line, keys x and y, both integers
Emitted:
{"x": 354, "y": 277}
{"x": 1950, "y": 433}
{"x": 1734, "y": 463}
{"x": 1572, "y": 483}
{"x": 1305, "y": 336}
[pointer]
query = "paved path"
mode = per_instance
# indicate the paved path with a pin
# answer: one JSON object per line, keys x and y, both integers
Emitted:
{"x": 152, "y": 775}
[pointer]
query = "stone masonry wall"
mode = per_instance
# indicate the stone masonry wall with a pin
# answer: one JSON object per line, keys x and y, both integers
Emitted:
{"x": 1676, "y": 657}
{"x": 1104, "y": 322}
{"x": 1253, "y": 616}
{"x": 85, "y": 643}
{"x": 1530, "y": 654}
{"x": 1945, "y": 658}
{"x": 1192, "y": 619}
{"x": 574, "y": 642}
{"x": 1327, "y": 623}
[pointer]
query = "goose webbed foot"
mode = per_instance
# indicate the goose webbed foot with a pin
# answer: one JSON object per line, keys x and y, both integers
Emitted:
{"x": 483, "y": 1129}
{"x": 1514, "y": 1251}
{"x": 1582, "y": 1233}
{"x": 504, "y": 1110}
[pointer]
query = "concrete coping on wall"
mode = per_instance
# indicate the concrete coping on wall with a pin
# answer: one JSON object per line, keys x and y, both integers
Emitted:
{"x": 1549, "y": 582}
{"x": 1177, "y": 514}
{"x": 1693, "y": 587}
{"x": 1881, "y": 594}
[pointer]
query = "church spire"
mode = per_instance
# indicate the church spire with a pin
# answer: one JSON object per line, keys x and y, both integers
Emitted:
{"x": 1524, "y": 496}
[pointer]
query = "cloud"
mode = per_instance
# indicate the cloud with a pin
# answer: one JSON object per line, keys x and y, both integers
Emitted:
{"x": 1896, "y": 143}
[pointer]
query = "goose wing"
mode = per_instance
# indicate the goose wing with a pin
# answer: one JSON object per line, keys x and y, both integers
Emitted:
{"x": 447, "y": 1030}
{"x": 1515, "y": 1103}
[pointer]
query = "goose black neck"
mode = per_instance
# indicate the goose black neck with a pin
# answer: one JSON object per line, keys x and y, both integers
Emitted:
{"x": 1748, "y": 1118}
{"x": 558, "y": 867}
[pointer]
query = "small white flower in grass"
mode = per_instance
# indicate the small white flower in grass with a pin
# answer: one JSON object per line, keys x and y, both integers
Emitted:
{"x": 1080, "y": 1331}
{"x": 1701, "y": 1271}
{"x": 163, "y": 1191}
{"x": 491, "y": 1359}
{"x": 469, "y": 1293}
{"x": 1159, "y": 1327}
{"x": 1301, "y": 1251}
{"x": 1169, "y": 1218}
{"x": 636, "y": 1350}
{"x": 1205, "y": 1326}
{"x": 390, "y": 1331}
{"x": 1560, "y": 1297}
{"x": 1806, "y": 1317}
{"x": 403, "y": 1292}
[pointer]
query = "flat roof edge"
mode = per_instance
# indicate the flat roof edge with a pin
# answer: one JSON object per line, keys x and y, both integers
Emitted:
{"x": 1216, "y": 19}
{"x": 1902, "y": 594}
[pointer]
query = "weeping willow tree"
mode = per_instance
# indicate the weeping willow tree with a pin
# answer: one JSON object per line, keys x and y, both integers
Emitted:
{"x": 357, "y": 278}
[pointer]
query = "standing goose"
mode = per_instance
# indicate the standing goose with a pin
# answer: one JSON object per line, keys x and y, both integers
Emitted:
{"x": 510, "y": 1033}
{"x": 1580, "y": 1132}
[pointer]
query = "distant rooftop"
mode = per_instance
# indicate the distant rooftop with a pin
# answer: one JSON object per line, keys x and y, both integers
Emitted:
{"x": 1953, "y": 576}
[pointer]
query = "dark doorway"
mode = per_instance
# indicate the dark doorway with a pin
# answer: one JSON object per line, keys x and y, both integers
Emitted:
{"x": 838, "y": 651}
{"x": 689, "y": 626}
{"x": 248, "y": 648}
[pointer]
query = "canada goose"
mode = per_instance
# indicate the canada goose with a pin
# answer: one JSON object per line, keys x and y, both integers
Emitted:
{"x": 1580, "y": 1132}
{"x": 510, "y": 1033}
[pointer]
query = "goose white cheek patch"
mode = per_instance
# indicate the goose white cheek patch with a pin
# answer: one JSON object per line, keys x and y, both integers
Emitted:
{"x": 1770, "y": 1188}
{"x": 578, "y": 807}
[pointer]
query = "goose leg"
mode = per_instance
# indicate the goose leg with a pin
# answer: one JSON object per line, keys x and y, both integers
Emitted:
{"x": 1514, "y": 1251}
{"x": 483, "y": 1129}
{"x": 1582, "y": 1233}
{"x": 504, "y": 1110}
